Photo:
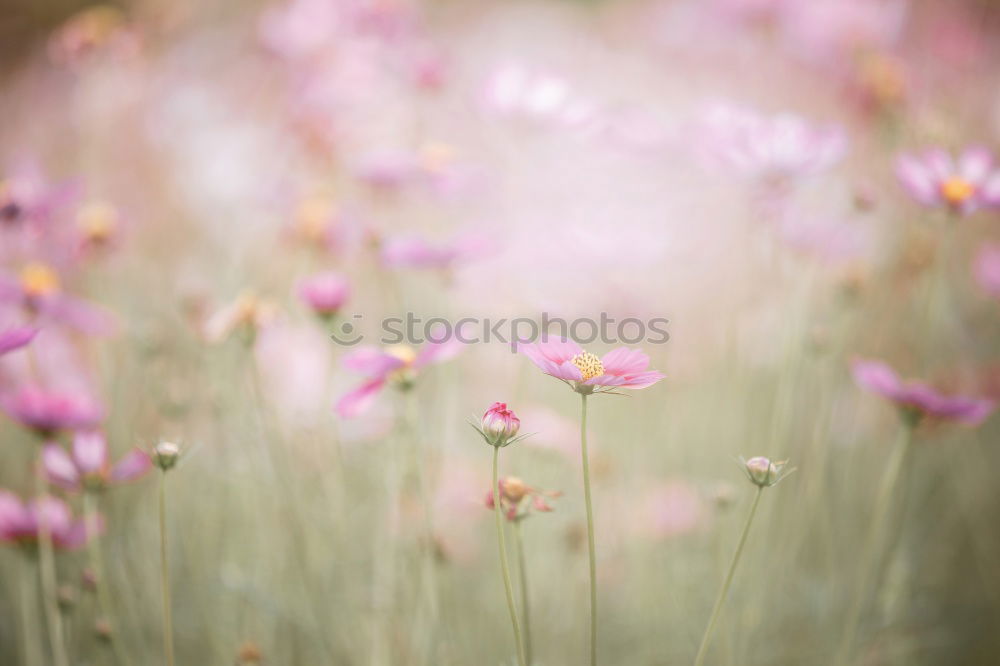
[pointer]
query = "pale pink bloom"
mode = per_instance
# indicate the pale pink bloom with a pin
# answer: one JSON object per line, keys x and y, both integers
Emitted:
{"x": 302, "y": 29}
{"x": 37, "y": 290}
{"x": 987, "y": 269}
{"x": 89, "y": 466}
{"x": 48, "y": 411}
{"x": 324, "y": 293}
{"x": 416, "y": 252}
{"x": 963, "y": 186}
{"x": 15, "y": 338}
{"x": 396, "y": 364}
{"x": 388, "y": 169}
{"x": 519, "y": 91}
{"x": 564, "y": 359}
{"x": 918, "y": 399}
{"x": 672, "y": 509}
{"x": 21, "y": 522}
{"x": 771, "y": 149}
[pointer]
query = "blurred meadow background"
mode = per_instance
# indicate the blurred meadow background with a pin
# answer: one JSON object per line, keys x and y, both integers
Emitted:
{"x": 195, "y": 196}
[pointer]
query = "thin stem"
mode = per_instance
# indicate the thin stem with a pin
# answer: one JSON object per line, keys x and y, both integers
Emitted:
{"x": 522, "y": 571}
{"x": 47, "y": 573}
{"x": 720, "y": 600}
{"x": 591, "y": 549}
{"x": 503, "y": 560}
{"x": 168, "y": 623}
{"x": 29, "y": 620}
{"x": 91, "y": 525}
{"x": 886, "y": 491}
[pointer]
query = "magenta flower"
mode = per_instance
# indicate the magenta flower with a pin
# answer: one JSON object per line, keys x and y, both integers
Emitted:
{"x": 987, "y": 269}
{"x": 47, "y": 411}
{"x": 37, "y": 290}
{"x": 15, "y": 338}
{"x": 88, "y": 467}
{"x": 965, "y": 185}
{"x": 586, "y": 373}
{"x": 398, "y": 365}
{"x": 500, "y": 424}
{"x": 21, "y": 522}
{"x": 324, "y": 293}
{"x": 917, "y": 399}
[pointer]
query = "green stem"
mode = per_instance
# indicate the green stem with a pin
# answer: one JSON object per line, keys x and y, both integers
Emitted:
{"x": 47, "y": 573}
{"x": 522, "y": 571}
{"x": 168, "y": 624}
{"x": 883, "y": 501}
{"x": 29, "y": 620}
{"x": 720, "y": 600}
{"x": 591, "y": 549}
{"x": 503, "y": 560}
{"x": 90, "y": 521}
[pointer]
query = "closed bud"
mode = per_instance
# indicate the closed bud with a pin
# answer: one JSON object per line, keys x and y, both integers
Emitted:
{"x": 763, "y": 472}
{"x": 500, "y": 425}
{"x": 165, "y": 455}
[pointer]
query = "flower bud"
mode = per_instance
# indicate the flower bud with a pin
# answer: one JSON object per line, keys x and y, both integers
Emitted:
{"x": 165, "y": 455}
{"x": 324, "y": 293}
{"x": 762, "y": 471}
{"x": 500, "y": 425}
{"x": 513, "y": 488}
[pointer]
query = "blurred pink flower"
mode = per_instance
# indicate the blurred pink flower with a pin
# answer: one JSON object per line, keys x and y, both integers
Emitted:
{"x": 49, "y": 411}
{"x": 325, "y": 293}
{"x": 415, "y": 252}
{"x": 15, "y": 338}
{"x": 89, "y": 466}
{"x": 963, "y": 186}
{"x": 672, "y": 509}
{"x": 917, "y": 399}
{"x": 771, "y": 149}
{"x": 987, "y": 269}
{"x": 398, "y": 364}
{"x": 584, "y": 372}
{"x": 520, "y": 91}
{"x": 518, "y": 500}
{"x": 37, "y": 289}
{"x": 21, "y": 522}
{"x": 301, "y": 29}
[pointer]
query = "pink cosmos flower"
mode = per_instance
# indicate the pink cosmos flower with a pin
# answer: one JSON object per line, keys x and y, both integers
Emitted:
{"x": 37, "y": 290}
{"x": 500, "y": 423}
{"x": 962, "y": 186}
{"x": 325, "y": 293}
{"x": 586, "y": 373}
{"x": 987, "y": 269}
{"x": 397, "y": 364}
{"x": 89, "y": 466}
{"x": 48, "y": 411}
{"x": 769, "y": 148}
{"x": 917, "y": 399}
{"x": 416, "y": 252}
{"x": 15, "y": 338}
{"x": 518, "y": 500}
{"x": 21, "y": 522}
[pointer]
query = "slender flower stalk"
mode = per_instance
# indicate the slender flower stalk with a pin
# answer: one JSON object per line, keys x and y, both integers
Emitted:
{"x": 522, "y": 571}
{"x": 870, "y": 558}
{"x": 47, "y": 574}
{"x": 591, "y": 549}
{"x": 29, "y": 618}
{"x": 91, "y": 517}
{"x": 504, "y": 567}
{"x": 165, "y": 456}
{"x": 763, "y": 473}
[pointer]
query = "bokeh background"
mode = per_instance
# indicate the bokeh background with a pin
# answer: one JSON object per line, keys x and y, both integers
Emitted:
{"x": 731, "y": 165}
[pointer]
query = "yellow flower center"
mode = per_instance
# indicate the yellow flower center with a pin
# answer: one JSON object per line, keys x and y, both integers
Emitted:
{"x": 590, "y": 365}
{"x": 957, "y": 190}
{"x": 39, "y": 280}
{"x": 97, "y": 220}
{"x": 404, "y": 353}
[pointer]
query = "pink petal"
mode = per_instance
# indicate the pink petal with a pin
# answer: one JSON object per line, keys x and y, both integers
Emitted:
{"x": 974, "y": 164}
{"x": 877, "y": 377}
{"x": 556, "y": 351}
{"x": 371, "y": 361}
{"x": 360, "y": 399}
{"x": 15, "y": 338}
{"x": 989, "y": 192}
{"x": 917, "y": 180}
{"x": 939, "y": 163}
{"x": 80, "y": 315}
{"x": 90, "y": 450}
{"x": 132, "y": 465}
{"x": 436, "y": 352}
{"x": 642, "y": 380}
{"x": 623, "y": 361}
{"x": 59, "y": 467}
{"x": 14, "y": 517}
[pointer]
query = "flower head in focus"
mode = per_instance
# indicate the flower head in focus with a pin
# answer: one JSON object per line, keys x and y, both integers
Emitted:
{"x": 165, "y": 455}
{"x": 917, "y": 400}
{"x": 397, "y": 365}
{"x": 764, "y": 472}
{"x": 88, "y": 465}
{"x": 519, "y": 500}
{"x": 21, "y": 523}
{"x": 499, "y": 425}
{"x": 586, "y": 373}
{"x": 934, "y": 179}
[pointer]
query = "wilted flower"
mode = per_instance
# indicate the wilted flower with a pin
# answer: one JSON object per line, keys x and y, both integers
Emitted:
{"x": 15, "y": 338}
{"x": 934, "y": 179}
{"x": 325, "y": 293}
{"x": 88, "y": 466}
{"x": 396, "y": 364}
{"x": 987, "y": 269}
{"x": 586, "y": 373}
{"x": 165, "y": 455}
{"x": 48, "y": 411}
{"x": 22, "y": 522}
{"x": 518, "y": 500}
{"x": 917, "y": 399}
{"x": 764, "y": 472}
